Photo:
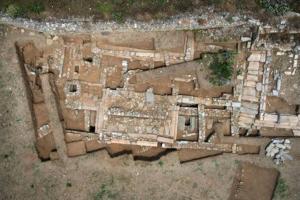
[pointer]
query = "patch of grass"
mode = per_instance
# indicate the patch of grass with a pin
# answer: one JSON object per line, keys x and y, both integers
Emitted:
{"x": 221, "y": 67}
{"x": 216, "y": 163}
{"x": 36, "y": 170}
{"x": 199, "y": 167}
{"x": 161, "y": 163}
{"x": 281, "y": 190}
{"x": 105, "y": 193}
{"x": 276, "y": 7}
{"x": 19, "y": 120}
{"x": 49, "y": 185}
{"x": 237, "y": 162}
{"x": 139, "y": 9}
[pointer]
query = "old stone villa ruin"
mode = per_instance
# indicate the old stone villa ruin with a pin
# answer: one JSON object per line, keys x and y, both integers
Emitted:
{"x": 147, "y": 92}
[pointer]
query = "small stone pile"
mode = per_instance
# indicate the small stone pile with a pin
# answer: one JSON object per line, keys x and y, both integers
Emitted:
{"x": 278, "y": 150}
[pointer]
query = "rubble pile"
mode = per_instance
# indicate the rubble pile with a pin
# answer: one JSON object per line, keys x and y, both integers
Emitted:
{"x": 278, "y": 150}
{"x": 186, "y": 21}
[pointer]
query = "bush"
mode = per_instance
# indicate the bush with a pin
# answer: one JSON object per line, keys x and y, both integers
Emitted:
{"x": 221, "y": 68}
{"x": 118, "y": 17}
{"x": 14, "y": 10}
{"x": 276, "y": 7}
{"x": 105, "y": 8}
{"x": 36, "y": 7}
{"x": 112, "y": 10}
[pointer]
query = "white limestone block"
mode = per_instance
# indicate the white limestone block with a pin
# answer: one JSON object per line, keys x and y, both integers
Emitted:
{"x": 254, "y": 57}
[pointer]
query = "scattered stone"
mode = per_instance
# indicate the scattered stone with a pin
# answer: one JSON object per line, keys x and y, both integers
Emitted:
{"x": 278, "y": 150}
{"x": 259, "y": 87}
{"x": 245, "y": 39}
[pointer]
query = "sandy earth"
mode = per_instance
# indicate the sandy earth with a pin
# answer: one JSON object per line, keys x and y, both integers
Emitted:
{"x": 96, "y": 175}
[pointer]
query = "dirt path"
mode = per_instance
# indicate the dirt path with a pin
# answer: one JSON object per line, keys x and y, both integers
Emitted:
{"x": 55, "y": 123}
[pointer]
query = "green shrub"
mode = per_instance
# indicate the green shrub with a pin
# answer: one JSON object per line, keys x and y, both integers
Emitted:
{"x": 161, "y": 163}
{"x": 276, "y": 7}
{"x": 14, "y": 10}
{"x": 221, "y": 68}
{"x": 118, "y": 17}
{"x": 105, "y": 8}
{"x": 36, "y": 7}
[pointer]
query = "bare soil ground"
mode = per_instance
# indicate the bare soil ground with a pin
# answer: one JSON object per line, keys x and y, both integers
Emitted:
{"x": 277, "y": 104}
{"x": 96, "y": 175}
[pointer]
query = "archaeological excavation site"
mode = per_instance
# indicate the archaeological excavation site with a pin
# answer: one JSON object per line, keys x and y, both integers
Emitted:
{"x": 199, "y": 107}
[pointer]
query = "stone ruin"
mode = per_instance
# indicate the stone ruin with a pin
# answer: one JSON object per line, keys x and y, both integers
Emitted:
{"x": 144, "y": 93}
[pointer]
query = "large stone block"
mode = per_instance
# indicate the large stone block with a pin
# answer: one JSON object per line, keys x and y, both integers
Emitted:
{"x": 76, "y": 148}
{"x": 45, "y": 145}
{"x": 72, "y": 137}
{"x": 93, "y": 145}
